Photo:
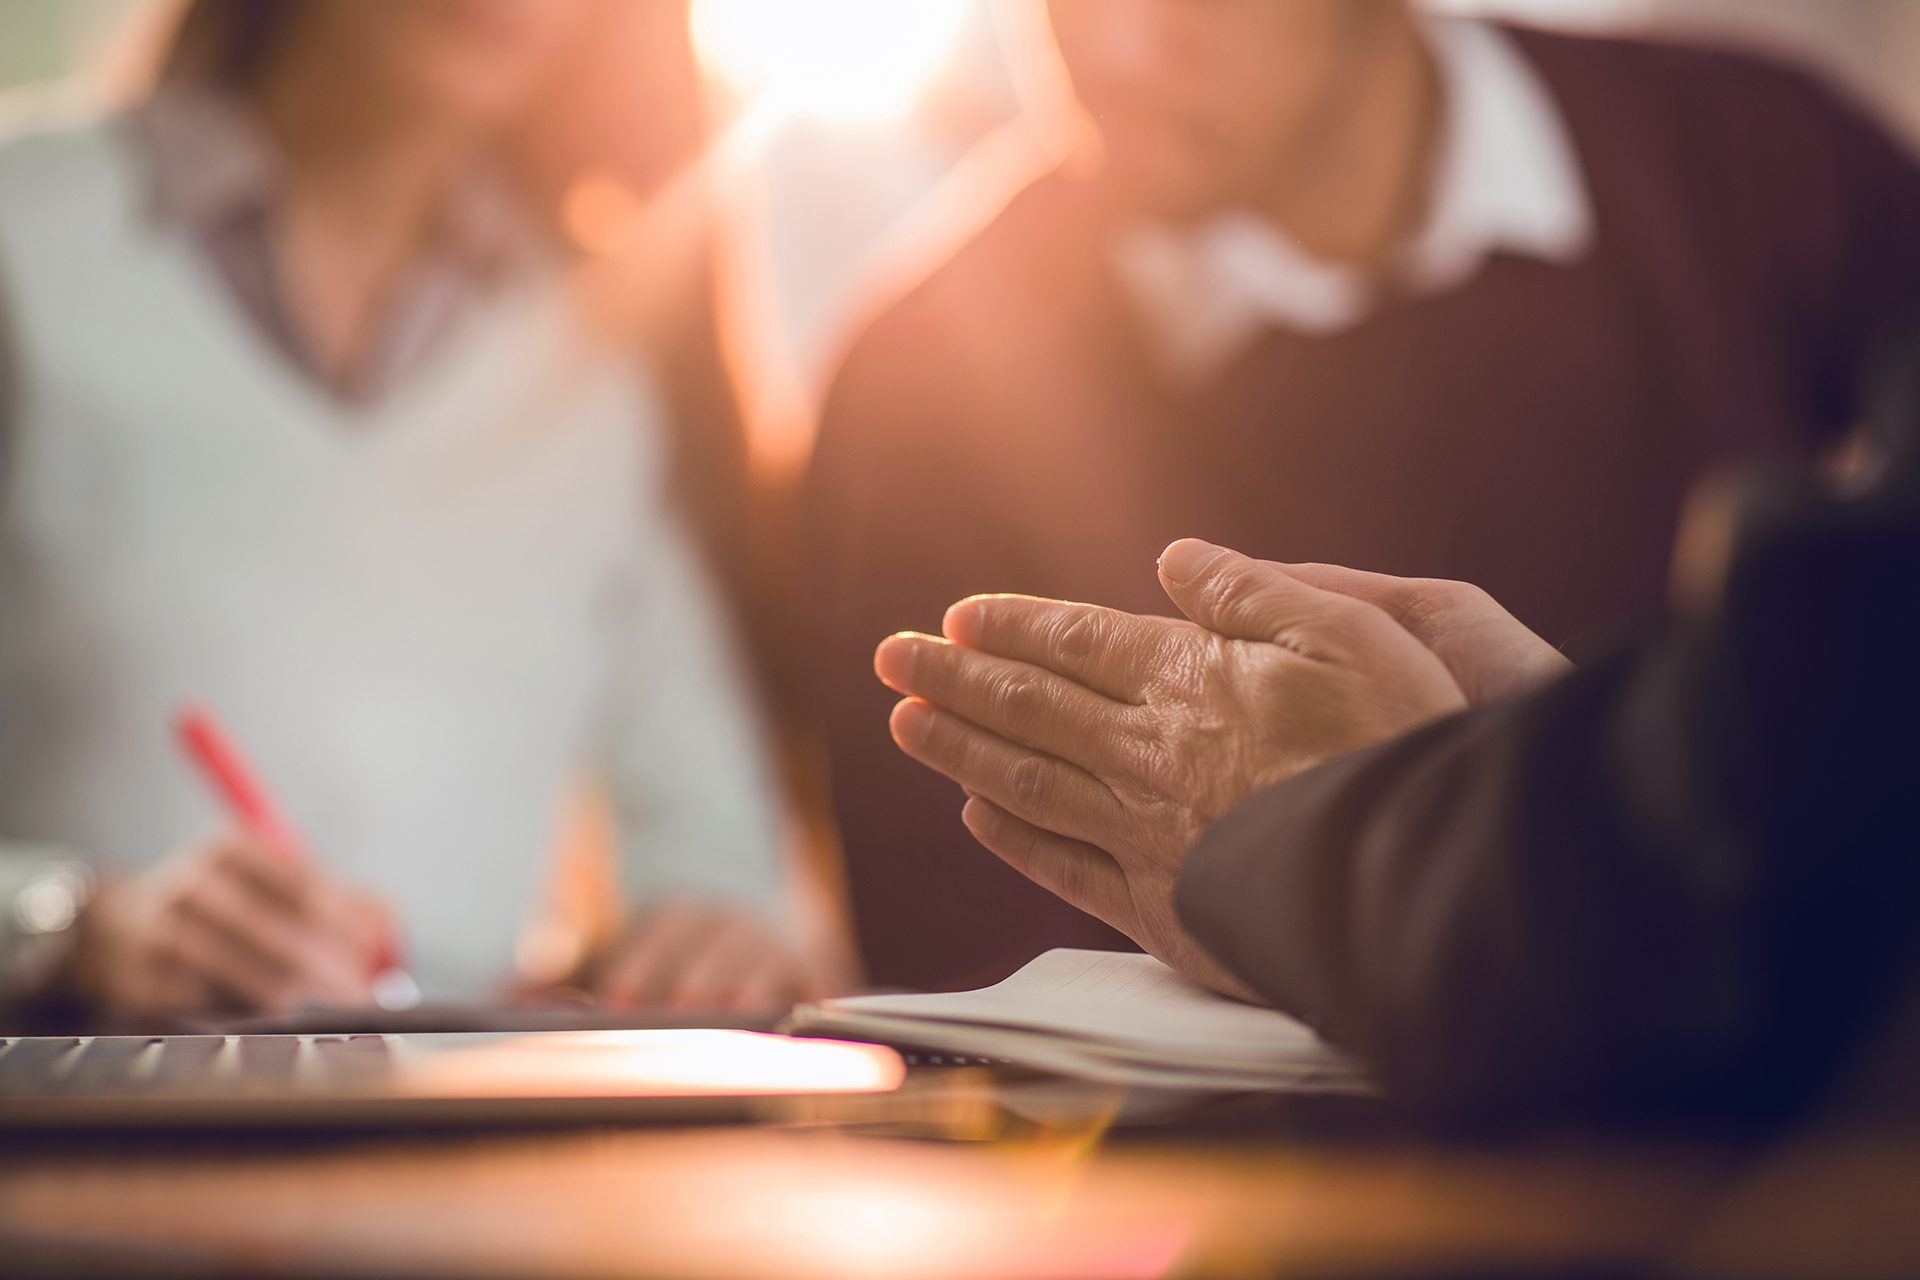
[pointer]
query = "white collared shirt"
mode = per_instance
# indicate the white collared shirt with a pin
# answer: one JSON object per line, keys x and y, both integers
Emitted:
{"x": 1507, "y": 178}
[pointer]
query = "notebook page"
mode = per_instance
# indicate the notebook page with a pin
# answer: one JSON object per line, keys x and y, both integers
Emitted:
{"x": 1318, "y": 1071}
{"x": 1115, "y": 998}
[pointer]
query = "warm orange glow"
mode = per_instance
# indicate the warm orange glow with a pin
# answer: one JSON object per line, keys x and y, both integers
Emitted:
{"x": 617, "y": 1064}
{"x": 851, "y": 59}
{"x": 875, "y": 1227}
{"x": 601, "y": 213}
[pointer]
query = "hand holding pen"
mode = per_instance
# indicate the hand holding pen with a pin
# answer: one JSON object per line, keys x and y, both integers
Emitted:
{"x": 242, "y": 922}
{"x": 265, "y": 828}
{"x": 225, "y": 926}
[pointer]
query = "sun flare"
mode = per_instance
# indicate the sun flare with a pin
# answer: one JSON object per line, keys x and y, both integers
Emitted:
{"x": 847, "y": 59}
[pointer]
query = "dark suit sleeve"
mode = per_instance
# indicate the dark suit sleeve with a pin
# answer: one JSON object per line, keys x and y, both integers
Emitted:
{"x": 1682, "y": 882}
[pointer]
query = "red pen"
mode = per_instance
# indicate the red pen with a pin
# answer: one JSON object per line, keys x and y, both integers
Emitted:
{"x": 227, "y": 771}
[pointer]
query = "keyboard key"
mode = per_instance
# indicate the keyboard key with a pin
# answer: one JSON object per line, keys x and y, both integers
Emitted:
{"x": 268, "y": 1059}
{"x": 187, "y": 1059}
{"x": 105, "y": 1064}
{"x": 30, "y": 1065}
{"x": 352, "y": 1058}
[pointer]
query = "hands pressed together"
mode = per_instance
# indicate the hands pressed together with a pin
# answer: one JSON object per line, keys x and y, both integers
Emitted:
{"x": 1096, "y": 747}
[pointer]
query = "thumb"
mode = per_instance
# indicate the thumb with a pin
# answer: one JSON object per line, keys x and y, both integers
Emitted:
{"x": 1237, "y": 596}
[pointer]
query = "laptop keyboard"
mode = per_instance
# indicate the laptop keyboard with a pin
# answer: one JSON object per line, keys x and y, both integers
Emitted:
{"x": 142, "y": 1064}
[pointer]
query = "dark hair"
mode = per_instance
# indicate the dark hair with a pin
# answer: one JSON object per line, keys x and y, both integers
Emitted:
{"x": 224, "y": 41}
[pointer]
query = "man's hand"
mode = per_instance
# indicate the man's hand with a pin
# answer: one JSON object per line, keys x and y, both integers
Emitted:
{"x": 226, "y": 927}
{"x": 1096, "y": 746}
{"x": 1489, "y": 652}
{"x": 690, "y": 957}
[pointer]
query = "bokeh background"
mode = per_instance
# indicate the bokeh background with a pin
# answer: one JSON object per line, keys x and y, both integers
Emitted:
{"x": 861, "y": 113}
{"x": 833, "y": 127}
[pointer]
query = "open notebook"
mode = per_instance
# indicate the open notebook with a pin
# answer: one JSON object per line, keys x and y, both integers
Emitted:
{"x": 1099, "y": 1015}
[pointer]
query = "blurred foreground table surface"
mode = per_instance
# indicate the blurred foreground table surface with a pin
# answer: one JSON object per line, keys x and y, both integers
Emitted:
{"x": 949, "y": 1193}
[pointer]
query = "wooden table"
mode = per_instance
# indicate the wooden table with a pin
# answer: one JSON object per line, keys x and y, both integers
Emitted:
{"x": 817, "y": 1196}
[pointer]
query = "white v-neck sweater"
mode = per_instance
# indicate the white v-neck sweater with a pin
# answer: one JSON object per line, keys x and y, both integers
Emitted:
{"x": 420, "y": 618}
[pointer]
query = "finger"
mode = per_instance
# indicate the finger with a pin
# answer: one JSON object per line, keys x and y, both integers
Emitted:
{"x": 772, "y": 975}
{"x": 1398, "y": 596}
{"x": 1109, "y": 652}
{"x": 1075, "y": 871}
{"x": 369, "y": 924}
{"x": 1247, "y": 599}
{"x": 272, "y": 941}
{"x": 644, "y": 969}
{"x": 327, "y": 948}
{"x": 1488, "y": 651}
{"x": 353, "y": 931}
{"x": 716, "y": 963}
{"x": 772, "y": 985}
{"x": 1059, "y": 796}
{"x": 1430, "y": 609}
{"x": 771, "y": 981}
{"x": 236, "y": 975}
{"x": 167, "y": 986}
{"x": 302, "y": 889}
{"x": 271, "y": 872}
{"x": 220, "y": 901}
{"x": 1021, "y": 702}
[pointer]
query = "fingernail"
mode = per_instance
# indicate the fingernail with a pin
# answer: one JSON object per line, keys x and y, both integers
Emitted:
{"x": 1187, "y": 559}
{"x": 910, "y": 722}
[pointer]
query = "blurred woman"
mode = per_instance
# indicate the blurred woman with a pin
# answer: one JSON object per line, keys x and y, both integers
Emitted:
{"x": 303, "y": 424}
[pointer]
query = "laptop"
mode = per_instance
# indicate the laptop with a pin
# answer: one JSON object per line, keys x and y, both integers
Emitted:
{"x": 669, "y": 1075}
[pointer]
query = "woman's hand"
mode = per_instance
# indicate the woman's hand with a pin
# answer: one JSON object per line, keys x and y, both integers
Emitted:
{"x": 1096, "y": 746}
{"x": 228, "y": 926}
{"x": 684, "y": 956}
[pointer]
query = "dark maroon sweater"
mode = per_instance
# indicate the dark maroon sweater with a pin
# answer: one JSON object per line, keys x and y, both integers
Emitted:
{"x": 998, "y": 428}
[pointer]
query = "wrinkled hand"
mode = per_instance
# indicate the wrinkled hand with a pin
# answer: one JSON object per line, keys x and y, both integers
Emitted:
{"x": 1096, "y": 747}
{"x": 1489, "y": 652}
{"x": 691, "y": 957}
{"x": 228, "y": 926}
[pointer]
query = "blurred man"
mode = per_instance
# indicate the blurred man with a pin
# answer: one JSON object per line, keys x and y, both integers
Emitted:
{"x": 1678, "y": 885}
{"x": 1331, "y": 282}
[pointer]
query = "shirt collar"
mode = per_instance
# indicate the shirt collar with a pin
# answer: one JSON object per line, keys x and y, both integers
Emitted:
{"x": 208, "y": 163}
{"x": 212, "y": 166}
{"x": 1507, "y": 178}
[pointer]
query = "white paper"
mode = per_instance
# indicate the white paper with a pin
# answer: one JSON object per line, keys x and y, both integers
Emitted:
{"x": 1097, "y": 1006}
